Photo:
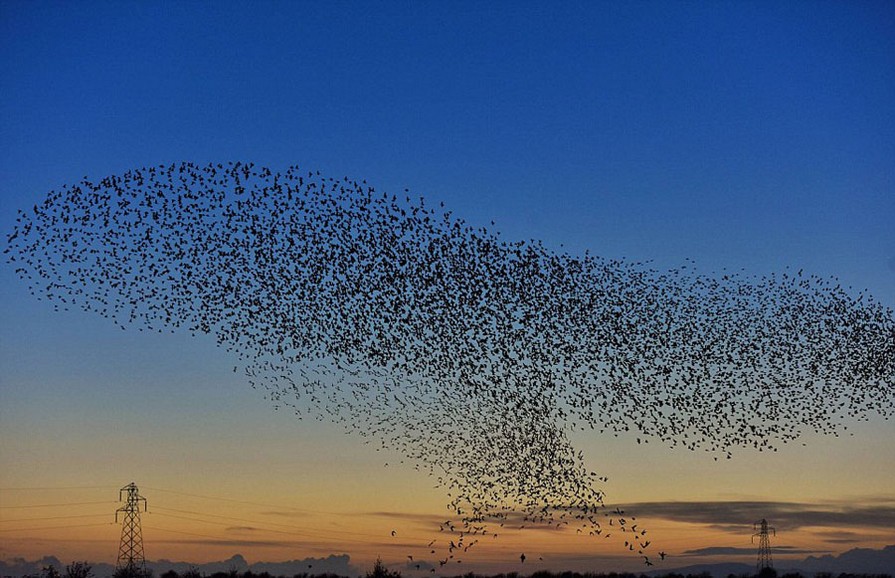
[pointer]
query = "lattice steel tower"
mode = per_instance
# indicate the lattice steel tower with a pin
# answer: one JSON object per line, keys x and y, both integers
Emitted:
{"x": 764, "y": 544}
{"x": 130, "y": 553}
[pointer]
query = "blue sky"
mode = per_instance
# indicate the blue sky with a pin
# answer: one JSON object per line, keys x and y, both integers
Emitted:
{"x": 648, "y": 130}
{"x": 751, "y": 135}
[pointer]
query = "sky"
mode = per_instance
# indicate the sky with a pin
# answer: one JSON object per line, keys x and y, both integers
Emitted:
{"x": 751, "y": 135}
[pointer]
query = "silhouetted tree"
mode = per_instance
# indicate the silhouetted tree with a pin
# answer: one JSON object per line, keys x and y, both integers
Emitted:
{"x": 50, "y": 572}
{"x": 380, "y": 571}
{"x": 79, "y": 570}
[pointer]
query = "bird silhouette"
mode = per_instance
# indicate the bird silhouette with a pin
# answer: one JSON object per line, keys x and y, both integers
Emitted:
{"x": 470, "y": 355}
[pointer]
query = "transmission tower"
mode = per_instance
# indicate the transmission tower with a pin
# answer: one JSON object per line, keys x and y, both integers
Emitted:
{"x": 130, "y": 553}
{"x": 764, "y": 544}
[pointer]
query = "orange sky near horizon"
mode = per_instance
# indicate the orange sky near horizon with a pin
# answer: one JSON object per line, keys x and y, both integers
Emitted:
{"x": 220, "y": 530}
{"x": 300, "y": 490}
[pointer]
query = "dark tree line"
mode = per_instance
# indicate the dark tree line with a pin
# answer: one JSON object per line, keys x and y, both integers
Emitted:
{"x": 85, "y": 570}
{"x": 73, "y": 570}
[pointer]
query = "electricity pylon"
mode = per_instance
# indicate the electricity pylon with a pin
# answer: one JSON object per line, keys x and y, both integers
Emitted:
{"x": 130, "y": 554}
{"x": 764, "y": 544}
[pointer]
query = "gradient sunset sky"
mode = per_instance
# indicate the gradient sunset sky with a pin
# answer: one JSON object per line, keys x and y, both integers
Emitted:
{"x": 752, "y": 135}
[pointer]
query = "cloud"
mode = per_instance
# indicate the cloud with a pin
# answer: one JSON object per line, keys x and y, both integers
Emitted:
{"x": 842, "y": 537}
{"x": 863, "y": 560}
{"x": 423, "y": 518}
{"x": 508, "y": 522}
{"x": 332, "y": 564}
{"x": 232, "y": 542}
{"x": 734, "y": 515}
{"x": 734, "y": 551}
{"x": 724, "y": 515}
{"x": 856, "y": 561}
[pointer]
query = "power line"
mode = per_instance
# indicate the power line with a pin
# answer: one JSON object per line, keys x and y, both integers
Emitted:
{"x": 218, "y": 498}
{"x": 56, "y": 505}
{"x": 292, "y": 530}
{"x": 54, "y": 518}
{"x": 53, "y": 488}
{"x": 334, "y": 532}
{"x": 53, "y": 527}
{"x": 154, "y": 489}
{"x": 305, "y": 534}
{"x": 182, "y": 532}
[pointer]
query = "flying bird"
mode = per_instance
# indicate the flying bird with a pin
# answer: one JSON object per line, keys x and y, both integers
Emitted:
{"x": 471, "y": 355}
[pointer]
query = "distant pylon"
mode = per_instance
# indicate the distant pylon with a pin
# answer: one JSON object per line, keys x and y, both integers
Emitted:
{"x": 764, "y": 544}
{"x": 130, "y": 553}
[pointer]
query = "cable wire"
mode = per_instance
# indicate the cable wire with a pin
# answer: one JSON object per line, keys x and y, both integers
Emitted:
{"x": 309, "y": 534}
{"x": 109, "y": 515}
{"x": 54, "y": 527}
{"x": 55, "y": 505}
{"x": 218, "y": 498}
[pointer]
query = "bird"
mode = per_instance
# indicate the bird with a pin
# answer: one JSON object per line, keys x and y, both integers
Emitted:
{"x": 468, "y": 354}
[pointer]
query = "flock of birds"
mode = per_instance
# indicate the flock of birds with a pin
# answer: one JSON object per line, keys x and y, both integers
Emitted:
{"x": 473, "y": 356}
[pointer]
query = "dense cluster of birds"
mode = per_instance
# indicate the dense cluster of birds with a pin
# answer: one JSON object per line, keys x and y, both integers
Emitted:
{"x": 473, "y": 356}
